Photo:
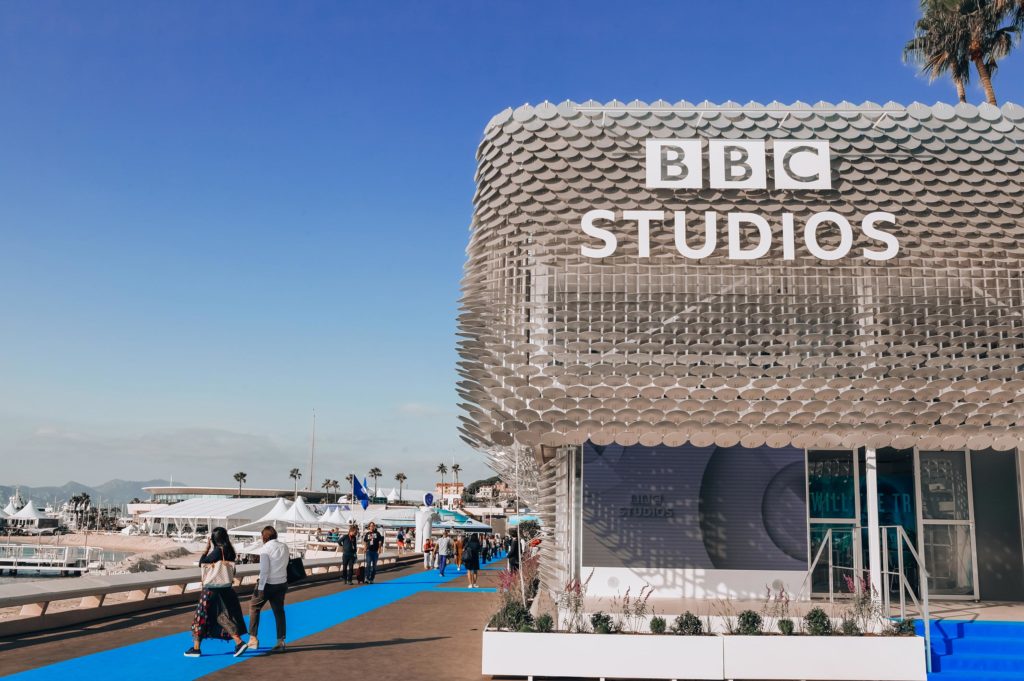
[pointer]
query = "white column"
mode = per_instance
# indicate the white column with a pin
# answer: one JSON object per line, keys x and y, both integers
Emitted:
{"x": 874, "y": 538}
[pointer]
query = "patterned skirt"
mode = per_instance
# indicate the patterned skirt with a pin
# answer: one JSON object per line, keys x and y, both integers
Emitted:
{"x": 218, "y": 615}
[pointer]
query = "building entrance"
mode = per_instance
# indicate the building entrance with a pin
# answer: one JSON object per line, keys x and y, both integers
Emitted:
{"x": 960, "y": 509}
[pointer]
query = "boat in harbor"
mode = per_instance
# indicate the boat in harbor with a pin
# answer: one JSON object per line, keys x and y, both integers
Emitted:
{"x": 20, "y": 560}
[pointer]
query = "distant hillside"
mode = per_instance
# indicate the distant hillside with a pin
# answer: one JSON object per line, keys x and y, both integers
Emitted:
{"x": 474, "y": 487}
{"x": 111, "y": 492}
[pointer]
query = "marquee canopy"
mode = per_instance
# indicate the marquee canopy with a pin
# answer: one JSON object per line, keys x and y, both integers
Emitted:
{"x": 229, "y": 512}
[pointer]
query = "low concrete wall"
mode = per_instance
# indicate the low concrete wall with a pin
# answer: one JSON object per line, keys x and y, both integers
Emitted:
{"x": 35, "y": 597}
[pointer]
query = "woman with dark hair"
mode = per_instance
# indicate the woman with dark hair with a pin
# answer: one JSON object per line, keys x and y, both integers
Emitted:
{"x": 471, "y": 558}
{"x": 218, "y": 614}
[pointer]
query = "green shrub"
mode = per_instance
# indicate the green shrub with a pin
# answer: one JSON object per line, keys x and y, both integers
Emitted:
{"x": 786, "y": 626}
{"x": 544, "y": 623}
{"x": 902, "y": 627}
{"x": 817, "y": 623}
{"x": 658, "y": 625}
{"x": 602, "y": 623}
{"x": 688, "y": 624}
{"x": 512, "y": 616}
{"x": 848, "y": 627}
{"x": 749, "y": 623}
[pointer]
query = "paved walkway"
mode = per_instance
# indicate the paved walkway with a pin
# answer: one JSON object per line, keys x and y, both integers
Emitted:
{"x": 410, "y": 624}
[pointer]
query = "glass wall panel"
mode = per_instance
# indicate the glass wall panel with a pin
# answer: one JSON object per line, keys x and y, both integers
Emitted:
{"x": 947, "y": 524}
{"x": 831, "y": 476}
{"x": 948, "y": 557}
{"x": 944, "y": 486}
{"x": 844, "y": 541}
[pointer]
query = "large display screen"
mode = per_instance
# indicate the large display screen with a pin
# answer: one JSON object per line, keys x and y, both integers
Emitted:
{"x": 727, "y": 508}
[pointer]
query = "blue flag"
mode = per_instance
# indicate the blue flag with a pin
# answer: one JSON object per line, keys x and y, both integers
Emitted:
{"x": 359, "y": 490}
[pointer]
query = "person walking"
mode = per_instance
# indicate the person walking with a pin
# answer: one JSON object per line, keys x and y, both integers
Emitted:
{"x": 271, "y": 588}
{"x": 471, "y": 557}
{"x": 349, "y": 544}
{"x": 428, "y": 553}
{"x": 218, "y": 613}
{"x": 459, "y": 545}
{"x": 513, "y": 554}
{"x": 444, "y": 551}
{"x": 400, "y": 541}
{"x": 372, "y": 541}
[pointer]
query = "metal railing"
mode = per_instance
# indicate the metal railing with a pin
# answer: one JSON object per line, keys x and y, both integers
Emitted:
{"x": 899, "y": 575}
{"x": 905, "y": 587}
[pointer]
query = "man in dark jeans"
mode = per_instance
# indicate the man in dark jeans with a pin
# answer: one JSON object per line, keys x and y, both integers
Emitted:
{"x": 373, "y": 541}
{"x": 271, "y": 588}
{"x": 349, "y": 544}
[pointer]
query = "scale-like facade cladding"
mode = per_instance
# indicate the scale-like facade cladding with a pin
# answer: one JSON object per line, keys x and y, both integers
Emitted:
{"x": 925, "y": 349}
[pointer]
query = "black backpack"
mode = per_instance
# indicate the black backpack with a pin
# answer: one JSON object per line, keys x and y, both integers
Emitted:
{"x": 296, "y": 570}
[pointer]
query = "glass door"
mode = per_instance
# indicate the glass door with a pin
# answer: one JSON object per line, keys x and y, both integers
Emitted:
{"x": 833, "y": 503}
{"x": 946, "y": 509}
{"x": 896, "y": 509}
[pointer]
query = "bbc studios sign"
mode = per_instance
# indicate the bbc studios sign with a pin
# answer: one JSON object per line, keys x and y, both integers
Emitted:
{"x": 799, "y": 165}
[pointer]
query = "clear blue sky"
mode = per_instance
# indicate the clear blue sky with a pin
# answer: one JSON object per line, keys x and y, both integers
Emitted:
{"x": 217, "y": 216}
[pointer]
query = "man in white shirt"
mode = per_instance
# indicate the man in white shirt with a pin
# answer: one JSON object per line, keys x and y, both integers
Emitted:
{"x": 272, "y": 587}
{"x": 444, "y": 551}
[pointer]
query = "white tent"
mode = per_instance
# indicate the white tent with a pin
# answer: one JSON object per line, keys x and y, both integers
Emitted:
{"x": 300, "y": 514}
{"x": 335, "y": 517}
{"x": 4, "y": 515}
{"x": 10, "y": 509}
{"x": 188, "y": 515}
{"x": 279, "y": 511}
{"x": 29, "y": 512}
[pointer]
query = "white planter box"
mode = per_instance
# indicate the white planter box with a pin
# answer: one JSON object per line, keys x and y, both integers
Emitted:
{"x": 622, "y": 656}
{"x": 644, "y": 656}
{"x": 824, "y": 658}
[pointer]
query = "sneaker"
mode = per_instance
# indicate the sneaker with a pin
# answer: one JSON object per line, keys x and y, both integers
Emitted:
{"x": 240, "y": 648}
{"x": 253, "y": 644}
{"x": 192, "y": 652}
{"x": 279, "y": 648}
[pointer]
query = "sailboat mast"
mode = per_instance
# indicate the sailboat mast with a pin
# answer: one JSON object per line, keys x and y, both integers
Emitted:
{"x": 312, "y": 452}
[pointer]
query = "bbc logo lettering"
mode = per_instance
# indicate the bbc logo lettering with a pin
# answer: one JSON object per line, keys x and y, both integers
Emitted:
{"x": 738, "y": 164}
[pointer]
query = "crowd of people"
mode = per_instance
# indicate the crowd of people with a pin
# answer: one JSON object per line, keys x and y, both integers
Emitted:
{"x": 466, "y": 551}
{"x": 218, "y": 613}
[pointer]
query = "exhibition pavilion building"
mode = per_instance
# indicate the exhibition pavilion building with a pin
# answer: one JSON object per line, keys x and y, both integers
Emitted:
{"x": 719, "y": 345}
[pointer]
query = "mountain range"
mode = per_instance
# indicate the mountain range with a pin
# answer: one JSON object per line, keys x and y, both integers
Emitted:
{"x": 111, "y": 492}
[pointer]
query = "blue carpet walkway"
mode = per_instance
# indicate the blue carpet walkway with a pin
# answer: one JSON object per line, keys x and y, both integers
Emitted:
{"x": 976, "y": 650}
{"x": 162, "y": 658}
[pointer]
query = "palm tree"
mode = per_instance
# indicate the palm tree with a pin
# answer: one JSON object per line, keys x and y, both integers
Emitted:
{"x": 979, "y": 32}
{"x": 240, "y": 479}
{"x": 326, "y": 486}
{"x": 442, "y": 469}
{"x": 295, "y": 474}
{"x": 932, "y": 50}
{"x": 456, "y": 469}
{"x": 400, "y": 478}
{"x": 335, "y": 486}
{"x": 375, "y": 473}
{"x": 351, "y": 480}
{"x": 82, "y": 504}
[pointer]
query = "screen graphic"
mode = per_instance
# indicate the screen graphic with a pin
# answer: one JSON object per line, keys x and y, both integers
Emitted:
{"x": 726, "y": 508}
